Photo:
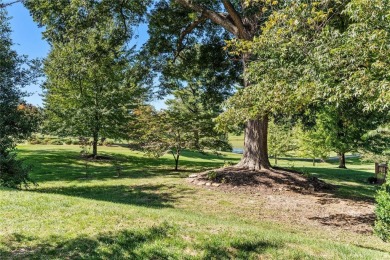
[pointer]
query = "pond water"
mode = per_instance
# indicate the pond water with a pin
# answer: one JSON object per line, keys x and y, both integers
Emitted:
{"x": 238, "y": 150}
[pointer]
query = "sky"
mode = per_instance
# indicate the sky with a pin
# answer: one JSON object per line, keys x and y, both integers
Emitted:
{"x": 27, "y": 38}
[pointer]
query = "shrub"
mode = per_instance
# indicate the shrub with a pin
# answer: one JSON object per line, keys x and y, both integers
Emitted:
{"x": 228, "y": 164}
{"x": 212, "y": 175}
{"x": 12, "y": 172}
{"x": 34, "y": 141}
{"x": 47, "y": 141}
{"x": 75, "y": 142}
{"x": 56, "y": 142}
{"x": 68, "y": 141}
{"x": 382, "y": 223}
{"x": 108, "y": 143}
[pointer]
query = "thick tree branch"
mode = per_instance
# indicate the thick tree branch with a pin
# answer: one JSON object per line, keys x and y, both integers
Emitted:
{"x": 235, "y": 16}
{"x": 186, "y": 31}
{"x": 123, "y": 16}
{"x": 212, "y": 15}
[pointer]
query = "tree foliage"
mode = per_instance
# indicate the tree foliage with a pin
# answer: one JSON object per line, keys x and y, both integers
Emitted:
{"x": 17, "y": 120}
{"x": 382, "y": 211}
{"x": 376, "y": 148}
{"x": 281, "y": 138}
{"x": 92, "y": 79}
{"x": 172, "y": 131}
{"x": 321, "y": 57}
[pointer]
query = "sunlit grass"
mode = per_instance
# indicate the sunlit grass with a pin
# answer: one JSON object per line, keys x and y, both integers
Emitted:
{"x": 151, "y": 212}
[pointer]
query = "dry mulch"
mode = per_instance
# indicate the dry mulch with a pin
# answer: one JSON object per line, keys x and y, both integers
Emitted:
{"x": 291, "y": 196}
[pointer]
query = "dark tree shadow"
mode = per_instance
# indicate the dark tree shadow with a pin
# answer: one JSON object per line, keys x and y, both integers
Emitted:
{"x": 62, "y": 165}
{"x": 138, "y": 244}
{"x": 119, "y": 245}
{"x": 238, "y": 250}
{"x": 345, "y": 220}
{"x": 151, "y": 196}
{"x": 351, "y": 184}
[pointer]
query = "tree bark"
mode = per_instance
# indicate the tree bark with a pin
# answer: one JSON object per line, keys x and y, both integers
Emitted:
{"x": 342, "y": 161}
{"x": 255, "y": 156}
{"x": 255, "y": 145}
{"x": 95, "y": 144}
{"x": 176, "y": 157}
{"x": 276, "y": 159}
{"x": 176, "y": 164}
{"x": 196, "y": 139}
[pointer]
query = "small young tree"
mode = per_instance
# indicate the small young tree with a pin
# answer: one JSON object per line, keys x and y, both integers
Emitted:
{"x": 376, "y": 145}
{"x": 92, "y": 80}
{"x": 313, "y": 143}
{"x": 161, "y": 132}
{"x": 281, "y": 139}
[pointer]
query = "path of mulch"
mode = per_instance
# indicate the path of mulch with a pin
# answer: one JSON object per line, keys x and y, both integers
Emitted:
{"x": 291, "y": 196}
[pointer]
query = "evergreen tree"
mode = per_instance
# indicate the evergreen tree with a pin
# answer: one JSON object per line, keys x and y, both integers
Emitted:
{"x": 17, "y": 120}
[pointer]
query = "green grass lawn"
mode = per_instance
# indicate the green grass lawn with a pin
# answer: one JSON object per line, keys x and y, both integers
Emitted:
{"x": 150, "y": 212}
{"x": 237, "y": 141}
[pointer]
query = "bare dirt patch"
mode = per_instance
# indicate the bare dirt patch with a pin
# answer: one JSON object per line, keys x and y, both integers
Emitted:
{"x": 292, "y": 197}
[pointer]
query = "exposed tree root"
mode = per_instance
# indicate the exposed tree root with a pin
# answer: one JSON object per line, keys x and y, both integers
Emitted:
{"x": 269, "y": 178}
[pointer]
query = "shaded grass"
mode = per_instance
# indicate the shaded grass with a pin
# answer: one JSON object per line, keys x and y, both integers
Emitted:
{"x": 351, "y": 182}
{"x": 151, "y": 213}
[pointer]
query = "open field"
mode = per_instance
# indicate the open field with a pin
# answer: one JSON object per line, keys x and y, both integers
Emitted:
{"x": 151, "y": 212}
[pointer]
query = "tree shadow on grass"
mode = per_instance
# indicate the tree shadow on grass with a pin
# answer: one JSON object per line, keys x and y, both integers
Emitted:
{"x": 350, "y": 184}
{"x": 118, "y": 245}
{"x": 163, "y": 241}
{"x": 151, "y": 196}
{"x": 62, "y": 165}
{"x": 349, "y": 221}
{"x": 238, "y": 249}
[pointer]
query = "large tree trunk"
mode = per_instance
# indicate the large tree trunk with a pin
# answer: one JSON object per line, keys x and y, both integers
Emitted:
{"x": 243, "y": 26}
{"x": 342, "y": 160}
{"x": 255, "y": 156}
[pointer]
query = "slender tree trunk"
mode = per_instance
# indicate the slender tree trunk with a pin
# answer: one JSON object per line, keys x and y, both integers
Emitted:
{"x": 95, "y": 144}
{"x": 314, "y": 161}
{"x": 176, "y": 157}
{"x": 342, "y": 160}
{"x": 177, "y": 163}
{"x": 276, "y": 159}
{"x": 255, "y": 156}
{"x": 196, "y": 139}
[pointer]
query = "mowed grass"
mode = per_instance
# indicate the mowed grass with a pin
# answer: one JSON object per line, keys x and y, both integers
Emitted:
{"x": 151, "y": 212}
{"x": 237, "y": 141}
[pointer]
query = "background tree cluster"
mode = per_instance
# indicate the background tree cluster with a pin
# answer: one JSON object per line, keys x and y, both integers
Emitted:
{"x": 93, "y": 78}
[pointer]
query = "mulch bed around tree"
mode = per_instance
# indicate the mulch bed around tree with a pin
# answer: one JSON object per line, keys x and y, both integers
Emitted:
{"x": 275, "y": 179}
{"x": 291, "y": 197}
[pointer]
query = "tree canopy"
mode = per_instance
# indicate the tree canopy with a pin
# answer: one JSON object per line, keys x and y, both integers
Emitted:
{"x": 17, "y": 119}
{"x": 93, "y": 79}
